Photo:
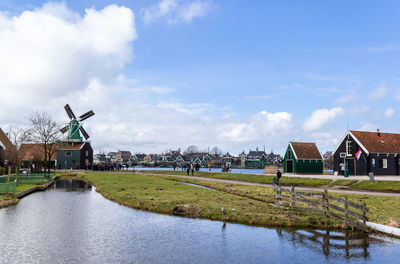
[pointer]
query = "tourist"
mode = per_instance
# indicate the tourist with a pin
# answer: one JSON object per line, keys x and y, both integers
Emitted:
{"x": 278, "y": 177}
{"x": 187, "y": 170}
{"x": 192, "y": 168}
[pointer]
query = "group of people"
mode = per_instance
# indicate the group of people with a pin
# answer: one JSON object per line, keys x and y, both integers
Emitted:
{"x": 191, "y": 168}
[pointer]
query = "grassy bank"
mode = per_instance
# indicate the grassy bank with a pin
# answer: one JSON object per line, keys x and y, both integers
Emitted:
{"x": 385, "y": 186}
{"x": 161, "y": 195}
{"x": 382, "y": 209}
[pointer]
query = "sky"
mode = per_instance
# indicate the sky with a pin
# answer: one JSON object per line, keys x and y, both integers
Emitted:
{"x": 166, "y": 74}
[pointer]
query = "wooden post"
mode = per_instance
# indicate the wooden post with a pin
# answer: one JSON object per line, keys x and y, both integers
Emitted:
{"x": 292, "y": 197}
{"x": 346, "y": 206}
{"x": 365, "y": 216}
{"x": 9, "y": 173}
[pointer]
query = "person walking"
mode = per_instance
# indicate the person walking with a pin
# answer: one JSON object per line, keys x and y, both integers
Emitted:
{"x": 187, "y": 169}
{"x": 192, "y": 168}
{"x": 277, "y": 177}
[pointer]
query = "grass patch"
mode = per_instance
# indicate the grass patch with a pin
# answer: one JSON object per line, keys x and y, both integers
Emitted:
{"x": 256, "y": 178}
{"x": 343, "y": 182}
{"x": 392, "y": 186}
{"x": 166, "y": 196}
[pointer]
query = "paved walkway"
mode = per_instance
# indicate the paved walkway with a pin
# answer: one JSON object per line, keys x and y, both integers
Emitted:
{"x": 332, "y": 190}
{"x": 341, "y": 177}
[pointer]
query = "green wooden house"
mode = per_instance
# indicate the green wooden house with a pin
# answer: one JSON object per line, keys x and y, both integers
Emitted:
{"x": 303, "y": 157}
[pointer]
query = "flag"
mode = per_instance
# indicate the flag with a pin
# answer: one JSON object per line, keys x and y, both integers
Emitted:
{"x": 358, "y": 154}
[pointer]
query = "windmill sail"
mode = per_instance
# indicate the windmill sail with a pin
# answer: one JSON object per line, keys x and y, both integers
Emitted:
{"x": 84, "y": 133}
{"x": 69, "y": 111}
{"x": 86, "y": 115}
{"x": 64, "y": 129}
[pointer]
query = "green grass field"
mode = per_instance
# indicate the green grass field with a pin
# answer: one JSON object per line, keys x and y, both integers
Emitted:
{"x": 161, "y": 195}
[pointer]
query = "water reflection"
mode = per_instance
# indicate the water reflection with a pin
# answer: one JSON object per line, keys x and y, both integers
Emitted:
{"x": 72, "y": 185}
{"x": 347, "y": 244}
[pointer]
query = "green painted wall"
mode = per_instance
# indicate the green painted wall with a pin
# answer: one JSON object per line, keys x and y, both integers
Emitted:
{"x": 71, "y": 160}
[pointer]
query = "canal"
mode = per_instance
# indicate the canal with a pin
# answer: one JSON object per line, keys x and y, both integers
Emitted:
{"x": 72, "y": 223}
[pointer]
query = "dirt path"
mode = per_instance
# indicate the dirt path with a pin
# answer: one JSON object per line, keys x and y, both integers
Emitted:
{"x": 332, "y": 190}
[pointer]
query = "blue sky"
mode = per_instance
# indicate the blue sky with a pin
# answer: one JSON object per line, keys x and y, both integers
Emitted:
{"x": 234, "y": 74}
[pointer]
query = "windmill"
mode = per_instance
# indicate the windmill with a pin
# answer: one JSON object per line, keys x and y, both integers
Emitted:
{"x": 75, "y": 125}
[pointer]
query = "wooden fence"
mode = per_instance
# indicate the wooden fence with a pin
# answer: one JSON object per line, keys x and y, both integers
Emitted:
{"x": 325, "y": 204}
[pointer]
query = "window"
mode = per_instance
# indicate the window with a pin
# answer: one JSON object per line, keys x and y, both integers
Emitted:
{"x": 87, "y": 153}
{"x": 68, "y": 153}
{"x": 289, "y": 156}
{"x": 383, "y": 163}
{"x": 348, "y": 147}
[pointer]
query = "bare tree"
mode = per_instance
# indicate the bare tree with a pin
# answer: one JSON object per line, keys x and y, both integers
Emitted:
{"x": 17, "y": 136}
{"x": 216, "y": 150}
{"x": 192, "y": 150}
{"x": 46, "y": 132}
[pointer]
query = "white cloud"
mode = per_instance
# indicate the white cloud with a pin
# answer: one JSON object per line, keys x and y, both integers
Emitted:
{"x": 378, "y": 93}
{"x": 389, "y": 112}
{"x": 260, "y": 126}
{"x": 321, "y": 117}
{"x": 346, "y": 97}
{"x": 51, "y": 52}
{"x": 176, "y": 11}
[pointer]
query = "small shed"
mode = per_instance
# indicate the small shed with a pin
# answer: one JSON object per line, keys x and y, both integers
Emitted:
{"x": 303, "y": 157}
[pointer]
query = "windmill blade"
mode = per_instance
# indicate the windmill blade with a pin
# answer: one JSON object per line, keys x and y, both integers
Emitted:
{"x": 69, "y": 111}
{"x": 84, "y": 133}
{"x": 64, "y": 129}
{"x": 86, "y": 115}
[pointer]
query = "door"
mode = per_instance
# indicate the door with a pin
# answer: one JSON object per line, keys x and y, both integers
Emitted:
{"x": 289, "y": 166}
{"x": 351, "y": 166}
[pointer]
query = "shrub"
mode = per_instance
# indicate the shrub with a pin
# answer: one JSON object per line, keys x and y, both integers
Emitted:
{"x": 2, "y": 171}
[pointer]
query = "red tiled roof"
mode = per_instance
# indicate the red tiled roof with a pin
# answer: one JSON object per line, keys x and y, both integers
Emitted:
{"x": 71, "y": 146}
{"x": 382, "y": 143}
{"x": 34, "y": 151}
{"x": 305, "y": 150}
{"x": 5, "y": 141}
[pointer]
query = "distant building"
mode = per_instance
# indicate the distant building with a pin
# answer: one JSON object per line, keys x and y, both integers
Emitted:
{"x": 33, "y": 154}
{"x": 75, "y": 155}
{"x": 303, "y": 157}
{"x": 363, "y": 152}
{"x": 328, "y": 155}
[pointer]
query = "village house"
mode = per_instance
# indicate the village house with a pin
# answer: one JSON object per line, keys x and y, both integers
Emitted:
{"x": 302, "y": 157}
{"x": 363, "y": 152}
{"x": 32, "y": 156}
{"x": 76, "y": 155}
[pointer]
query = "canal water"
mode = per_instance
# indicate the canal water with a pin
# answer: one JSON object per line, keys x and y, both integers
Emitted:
{"x": 72, "y": 223}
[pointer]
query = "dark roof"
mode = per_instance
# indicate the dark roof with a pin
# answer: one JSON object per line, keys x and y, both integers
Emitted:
{"x": 379, "y": 143}
{"x": 123, "y": 152}
{"x": 140, "y": 156}
{"x": 306, "y": 150}
{"x": 256, "y": 153}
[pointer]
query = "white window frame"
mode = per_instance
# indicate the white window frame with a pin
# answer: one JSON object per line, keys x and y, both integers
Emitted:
{"x": 384, "y": 163}
{"x": 348, "y": 147}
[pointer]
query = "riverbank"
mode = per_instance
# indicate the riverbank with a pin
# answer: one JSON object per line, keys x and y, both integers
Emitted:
{"x": 161, "y": 195}
{"x": 23, "y": 190}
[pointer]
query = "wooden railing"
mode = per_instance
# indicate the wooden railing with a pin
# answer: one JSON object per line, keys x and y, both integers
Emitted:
{"x": 325, "y": 204}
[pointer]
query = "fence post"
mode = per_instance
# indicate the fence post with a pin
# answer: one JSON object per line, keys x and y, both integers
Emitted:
{"x": 292, "y": 197}
{"x": 365, "y": 216}
{"x": 346, "y": 206}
